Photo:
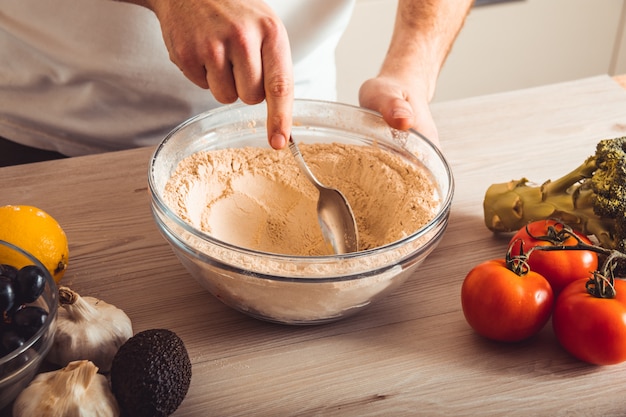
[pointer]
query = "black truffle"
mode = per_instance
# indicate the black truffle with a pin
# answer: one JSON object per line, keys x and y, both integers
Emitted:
{"x": 151, "y": 373}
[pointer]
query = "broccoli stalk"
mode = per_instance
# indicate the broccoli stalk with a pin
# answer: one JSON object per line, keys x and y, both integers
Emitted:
{"x": 590, "y": 199}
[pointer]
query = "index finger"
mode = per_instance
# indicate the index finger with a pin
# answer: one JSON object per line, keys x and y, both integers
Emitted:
{"x": 278, "y": 83}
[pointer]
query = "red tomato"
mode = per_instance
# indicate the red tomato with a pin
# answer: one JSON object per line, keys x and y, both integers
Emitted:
{"x": 502, "y": 305}
{"x": 592, "y": 329}
{"x": 558, "y": 267}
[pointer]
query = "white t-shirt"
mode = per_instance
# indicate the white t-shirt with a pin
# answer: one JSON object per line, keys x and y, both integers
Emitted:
{"x": 88, "y": 76}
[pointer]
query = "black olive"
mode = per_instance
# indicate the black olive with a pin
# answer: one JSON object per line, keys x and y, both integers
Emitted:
{"x": 7, "y": 294}
{"x": 30, "y": 283}
{"x": 27, "y": 320}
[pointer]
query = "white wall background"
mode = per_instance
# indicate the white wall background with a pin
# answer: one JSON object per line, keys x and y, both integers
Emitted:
{"x": 502, "y": 47}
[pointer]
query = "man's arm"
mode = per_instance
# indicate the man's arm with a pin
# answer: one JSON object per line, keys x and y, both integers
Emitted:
{"x": 423, "y": 35}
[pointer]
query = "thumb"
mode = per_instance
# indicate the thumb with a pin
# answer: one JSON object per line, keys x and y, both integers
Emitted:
{"x": 398, "y": 114}
{"x": 401, "y": 115}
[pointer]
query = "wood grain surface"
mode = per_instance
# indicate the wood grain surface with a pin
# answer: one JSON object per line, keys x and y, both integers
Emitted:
{"x": 411, "y": 353}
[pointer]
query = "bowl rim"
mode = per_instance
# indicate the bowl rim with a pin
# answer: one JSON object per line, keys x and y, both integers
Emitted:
{"x": 52, "y": 312}
{"x": 440, "y": 216}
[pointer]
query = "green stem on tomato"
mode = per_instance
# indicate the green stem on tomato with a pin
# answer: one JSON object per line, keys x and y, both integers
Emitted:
{"x": 601, "y": 284}
{"x": 519, "y": 263}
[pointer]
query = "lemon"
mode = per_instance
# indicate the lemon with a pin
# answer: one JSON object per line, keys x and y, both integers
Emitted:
{"x": 37, "y": 233}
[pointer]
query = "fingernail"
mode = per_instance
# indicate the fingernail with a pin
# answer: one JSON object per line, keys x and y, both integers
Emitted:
{"x": 277, "y": 141}
{"x": 401, "y": 113}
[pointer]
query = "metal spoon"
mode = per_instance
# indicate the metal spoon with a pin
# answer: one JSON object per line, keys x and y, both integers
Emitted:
{"x": 334, "y": 213}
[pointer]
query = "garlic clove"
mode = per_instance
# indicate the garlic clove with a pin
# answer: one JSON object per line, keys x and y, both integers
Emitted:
{"x": 74, "y": 391}
{"x": 88, "y": 328}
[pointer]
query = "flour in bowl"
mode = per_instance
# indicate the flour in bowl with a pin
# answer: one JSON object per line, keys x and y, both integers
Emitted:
{"x": 257, "y": 198}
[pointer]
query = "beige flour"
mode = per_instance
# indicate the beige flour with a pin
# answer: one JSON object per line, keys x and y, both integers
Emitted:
{"x": 257, "y": 198}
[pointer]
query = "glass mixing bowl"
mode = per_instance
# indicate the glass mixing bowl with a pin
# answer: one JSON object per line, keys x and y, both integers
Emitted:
{"x": 20, "y": 366}
{"x": 296, "y": 289}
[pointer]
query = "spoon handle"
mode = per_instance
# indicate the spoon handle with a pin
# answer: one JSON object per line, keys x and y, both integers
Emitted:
{"x": 295, "y": 151}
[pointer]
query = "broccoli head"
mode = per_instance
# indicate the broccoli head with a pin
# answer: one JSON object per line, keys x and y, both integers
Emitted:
{"x": 591, "y": 198}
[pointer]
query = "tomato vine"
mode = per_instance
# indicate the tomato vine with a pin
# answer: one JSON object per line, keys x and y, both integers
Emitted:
{"x": 600, "y": 284}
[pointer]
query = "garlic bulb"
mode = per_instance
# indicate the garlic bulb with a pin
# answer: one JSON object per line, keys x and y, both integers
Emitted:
{"x": 88, "y": 328}
{"x": 74, "y": 391}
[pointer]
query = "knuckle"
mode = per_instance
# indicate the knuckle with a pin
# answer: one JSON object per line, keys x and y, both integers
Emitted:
{"x": 252, "y": 97}
{"x": 279, "y": 86}
{"x": 240, "y": 36}
{"x": 210, "y": 51}
{"x": 181, "y": 55}
{"x": 272, "y": 26}
{"x": 183, "y": 59}
{"x": 224, "y": 97}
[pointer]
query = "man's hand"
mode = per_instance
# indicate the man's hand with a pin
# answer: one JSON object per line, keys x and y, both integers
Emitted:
{"x": 400, "y": 108}
{"x": 423, "y": 34}
{"x": 235, "y": 48}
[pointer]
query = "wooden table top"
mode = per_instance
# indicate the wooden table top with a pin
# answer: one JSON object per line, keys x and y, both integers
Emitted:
{"x": 621, "y": 80}
{"x": 411, "y": 353}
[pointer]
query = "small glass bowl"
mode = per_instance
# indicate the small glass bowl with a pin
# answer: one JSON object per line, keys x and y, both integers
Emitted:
{"x": 296, "y": 289}
{"x": 18, "y": 368}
